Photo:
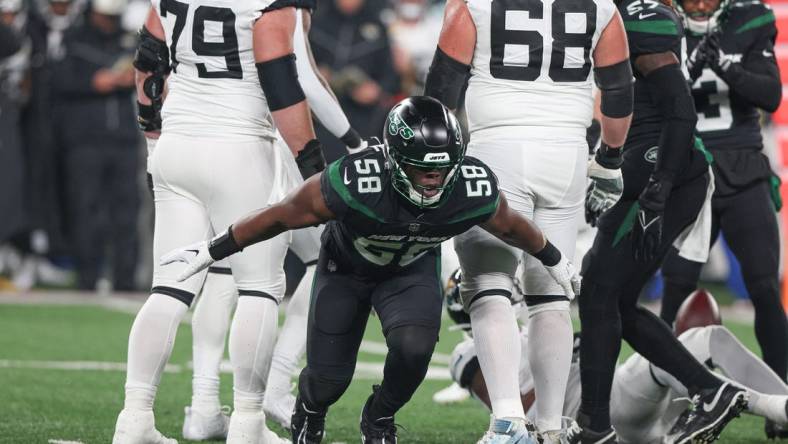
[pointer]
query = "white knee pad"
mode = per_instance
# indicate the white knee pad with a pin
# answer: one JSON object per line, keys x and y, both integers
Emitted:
{"x": 560, "y": 305}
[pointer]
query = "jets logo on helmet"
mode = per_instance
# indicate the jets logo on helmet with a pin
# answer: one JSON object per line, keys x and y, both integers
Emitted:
{"x": 423, "y": 134}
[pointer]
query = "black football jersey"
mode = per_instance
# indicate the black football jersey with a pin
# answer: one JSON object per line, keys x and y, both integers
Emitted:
{"x": 377, "y": 231}
{"x": 725, "y": 119}
{"x": 652, "y": 27}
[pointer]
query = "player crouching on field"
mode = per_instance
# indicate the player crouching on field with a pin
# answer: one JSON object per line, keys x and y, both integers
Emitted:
{"x": 387, "y": 209}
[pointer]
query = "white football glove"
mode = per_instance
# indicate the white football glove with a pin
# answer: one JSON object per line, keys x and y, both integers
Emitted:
{"x": 605, "y": 188}
{"x": 195, "y": 256}
{"x": 565, "y": 275}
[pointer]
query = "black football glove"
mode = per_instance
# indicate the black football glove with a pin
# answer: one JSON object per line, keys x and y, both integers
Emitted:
{"x": 647, "y": 230}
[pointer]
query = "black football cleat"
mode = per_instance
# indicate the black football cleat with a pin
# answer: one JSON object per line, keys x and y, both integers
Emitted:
{"x": 711, "y": 410}
{"x": 580, "y": 434}
{"x": 378, "y": 431}
{"x": 307, "y": 427}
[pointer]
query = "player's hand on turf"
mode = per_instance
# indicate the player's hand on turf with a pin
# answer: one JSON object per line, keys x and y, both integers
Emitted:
{"x": 647, "y": 230}
{"x": 565, "y": 275}
{"x": 195, "y": 256}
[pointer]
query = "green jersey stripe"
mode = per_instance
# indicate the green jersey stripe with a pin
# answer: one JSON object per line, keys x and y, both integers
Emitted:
{"x": 627, "y": 223}
{"x": 487, "y": 209}
{"x": 339, "y": 186}
{"x": 757, "y": 22}
{"x": 662, "y": 27}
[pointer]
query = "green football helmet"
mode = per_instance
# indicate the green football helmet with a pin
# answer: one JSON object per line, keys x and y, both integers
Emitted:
{"x": 421, "y": 132}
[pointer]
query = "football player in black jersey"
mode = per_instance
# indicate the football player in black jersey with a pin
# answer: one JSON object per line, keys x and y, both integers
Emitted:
{"x": 666, "y": 182}
{"x": 387, "y": 209}
{"x": 734, "y": 73}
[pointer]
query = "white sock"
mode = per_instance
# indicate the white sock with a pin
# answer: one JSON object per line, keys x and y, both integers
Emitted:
{"x": 291, "y": 343}
{"x": 550, "y": 357}
{"x": 498, "y": 348}
{"x": 210, "y": 323}
{"x": 252, "y": 337}
{"x": 150, "y": 345}
{"x": 769, "y": 406}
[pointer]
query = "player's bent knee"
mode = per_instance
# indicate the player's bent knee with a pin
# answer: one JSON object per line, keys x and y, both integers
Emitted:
{"x": 540, "y": 304}
{"x": 413, "y": 344}
{"x": 176, "y": 293}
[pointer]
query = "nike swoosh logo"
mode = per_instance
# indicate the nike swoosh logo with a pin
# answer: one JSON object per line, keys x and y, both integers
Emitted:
{"x": 345, "y": 180}
{"x": 645, "y": 16}
{"x": 196, "y": 252}
{"x": 767, "y": 53}
{"x": 707, "y": 407}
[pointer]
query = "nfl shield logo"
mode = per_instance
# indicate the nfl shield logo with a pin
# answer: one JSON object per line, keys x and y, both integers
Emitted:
{"x": 414, "y": 228}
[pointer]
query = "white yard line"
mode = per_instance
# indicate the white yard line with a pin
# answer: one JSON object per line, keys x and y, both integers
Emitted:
{"x": 364, "y": 370}
{"x": 60, "y": 441}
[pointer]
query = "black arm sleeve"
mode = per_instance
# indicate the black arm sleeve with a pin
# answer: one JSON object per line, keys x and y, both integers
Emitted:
{"x": 9, "y": 41}
{"x": 446, "y": 79}
{"x": 670, "y": 92}
{"x": 757, "y": 80}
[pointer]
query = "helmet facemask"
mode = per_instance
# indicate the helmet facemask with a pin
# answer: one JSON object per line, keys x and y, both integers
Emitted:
{"x": 413, "y": 191}
{"x": 701, "y": 23}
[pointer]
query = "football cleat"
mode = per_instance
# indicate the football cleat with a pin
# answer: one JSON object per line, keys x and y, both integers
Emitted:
{"x": 307, "y": 427}
{"x": 557, "y": 436}
{"x": 198, "y": 426}
{"x": 379, "y": 431}
{"x": 280, "y": 408}
{"x": 710, "y": 411}
{"x": 138, "y": 427}
{"x": 577, "y": 434}
{"x": 451, "y": 394}
{"x": 246, "y": 427}
{"x": 774, "y": 430}
{"x": 508, "y": 431}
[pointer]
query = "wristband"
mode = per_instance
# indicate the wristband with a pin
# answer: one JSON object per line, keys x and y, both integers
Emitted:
{"x": 310, "y": 160}
{"x": 549, "y": 256}
{"x": 148, "y": 118}
{"x": 223, "y": 245}
{"x": 609, "y": 157}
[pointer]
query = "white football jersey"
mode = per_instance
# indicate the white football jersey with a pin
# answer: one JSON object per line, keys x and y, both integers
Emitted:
{"x": 532, "y": 66}
{"x": 213, "y": 88}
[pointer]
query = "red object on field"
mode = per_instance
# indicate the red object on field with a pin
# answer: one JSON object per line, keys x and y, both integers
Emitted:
{"x": 700, "y": 309}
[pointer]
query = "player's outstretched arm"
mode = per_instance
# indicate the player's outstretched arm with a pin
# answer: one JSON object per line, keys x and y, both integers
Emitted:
{"x": 276, "y": 68}
{"x": 304, "y": 207}
{"x": 514, "y": 229}
{"x": 151, "y": 67}
{"x": 450, "y": 69}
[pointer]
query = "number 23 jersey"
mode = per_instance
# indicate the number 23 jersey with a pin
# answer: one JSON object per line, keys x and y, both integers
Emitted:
{"x": 532, "y": 63}
{"x": 376, "y": 231}
{"x": 213, "y": 88}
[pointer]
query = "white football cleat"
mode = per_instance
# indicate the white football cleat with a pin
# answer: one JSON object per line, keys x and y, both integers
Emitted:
{"x": 451, "y": 394}
{"x": 138, "y": 427}
{"x": 280, "y": 408}
{"x": 508, "y": 431}
{"x": 269, "y": 437}
{"x": 198, "y": 426}
{"x": 246, "y": 428}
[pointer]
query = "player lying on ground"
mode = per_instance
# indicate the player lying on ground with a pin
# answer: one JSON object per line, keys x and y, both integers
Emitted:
{"x": 387, "y": 209}
{"x": 646, "y": 400}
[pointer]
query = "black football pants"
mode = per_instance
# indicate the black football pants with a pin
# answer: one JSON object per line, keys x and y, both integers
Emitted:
{"x": 748, "y": 221}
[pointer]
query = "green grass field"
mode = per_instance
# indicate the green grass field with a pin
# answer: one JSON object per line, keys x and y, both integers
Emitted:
{"x": 50, "y": 405}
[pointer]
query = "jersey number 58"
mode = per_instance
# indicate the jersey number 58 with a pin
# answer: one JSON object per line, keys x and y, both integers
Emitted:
{"x": 477, "y": 183}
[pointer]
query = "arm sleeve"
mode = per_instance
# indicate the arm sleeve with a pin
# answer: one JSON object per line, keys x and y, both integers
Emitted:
{"x": 320, "y": 99}
{"x": 670, "y": 92}
{"x": 757, "y": 80}
{"x": 9, "y": 41}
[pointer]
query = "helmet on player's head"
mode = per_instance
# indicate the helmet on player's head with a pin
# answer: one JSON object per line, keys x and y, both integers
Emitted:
{"x": 703, "y": 22}
{"x": 700, "y": 309}
{"x": 453, "y": 302}
{"x": 422, "y": 133}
